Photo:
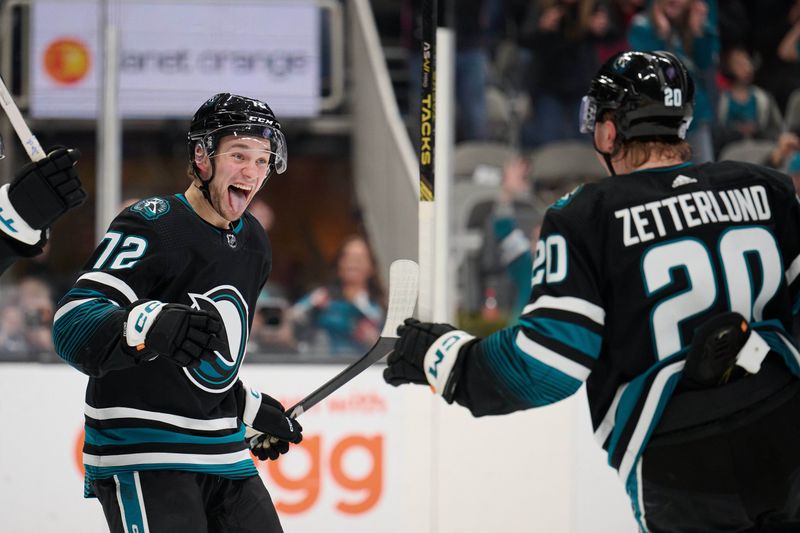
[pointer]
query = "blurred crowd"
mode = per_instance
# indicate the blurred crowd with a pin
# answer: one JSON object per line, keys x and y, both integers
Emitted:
{"x": 522, "y": 66}
{"x": 338, "y": 319}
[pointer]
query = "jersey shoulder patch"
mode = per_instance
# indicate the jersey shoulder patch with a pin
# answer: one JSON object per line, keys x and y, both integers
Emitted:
{"x": 567, "y": 198}
{"x": 151, "y": 208}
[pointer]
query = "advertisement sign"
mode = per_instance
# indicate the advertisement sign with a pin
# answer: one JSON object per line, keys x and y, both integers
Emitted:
{"x": 175, "y": 55}
{"x": 345, "y": 475}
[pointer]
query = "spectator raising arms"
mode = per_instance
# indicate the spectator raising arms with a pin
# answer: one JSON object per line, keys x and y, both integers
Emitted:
{"x": 561, "y": 35}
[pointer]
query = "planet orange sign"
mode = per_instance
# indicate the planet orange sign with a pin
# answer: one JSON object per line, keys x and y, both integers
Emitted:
{"x": 67, "y": 60}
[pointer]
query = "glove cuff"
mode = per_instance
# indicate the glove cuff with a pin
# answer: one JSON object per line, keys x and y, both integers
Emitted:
{"x": 139, "y": 321}
{"x": 252, "y": 403}
{"x": 12, "y": 223}
{"x": 441, "y": 359}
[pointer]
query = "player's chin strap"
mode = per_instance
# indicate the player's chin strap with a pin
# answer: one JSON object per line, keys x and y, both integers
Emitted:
{"x": 607, "y": 156}
{"x": 204, "y": 183}
{"x": 609, "y": 164}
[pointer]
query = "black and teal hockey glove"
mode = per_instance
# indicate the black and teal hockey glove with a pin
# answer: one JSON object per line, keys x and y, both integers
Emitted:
{"x": 182, "y": 334}
{"x": 427, "y": 354}
{"x": 43, "y": 190}
{"x": 267, "y": 415}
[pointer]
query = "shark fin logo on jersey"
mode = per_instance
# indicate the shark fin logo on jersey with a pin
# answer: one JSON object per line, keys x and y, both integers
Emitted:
{"x": 567, "y": 198}
{"x": 219, "y": 375}
{"x": 151, "y": 208}
{"x": 682, "y": 180}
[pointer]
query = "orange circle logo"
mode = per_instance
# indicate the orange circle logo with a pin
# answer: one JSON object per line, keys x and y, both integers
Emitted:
{"x": 67, "y": 60}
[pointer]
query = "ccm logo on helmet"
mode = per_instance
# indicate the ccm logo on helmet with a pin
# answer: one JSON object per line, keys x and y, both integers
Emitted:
{"x": 262, "y": 120}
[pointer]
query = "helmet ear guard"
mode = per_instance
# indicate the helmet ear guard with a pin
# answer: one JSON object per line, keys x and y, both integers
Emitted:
{"x": 200, "y": 152}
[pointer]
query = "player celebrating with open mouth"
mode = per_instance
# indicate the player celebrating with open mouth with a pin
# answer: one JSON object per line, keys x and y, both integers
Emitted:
{"x": 159, "y": 320}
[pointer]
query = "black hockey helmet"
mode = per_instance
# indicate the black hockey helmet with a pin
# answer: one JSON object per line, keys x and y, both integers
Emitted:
{"x": 228, "y": 114}
{"x": 651, "y": 95}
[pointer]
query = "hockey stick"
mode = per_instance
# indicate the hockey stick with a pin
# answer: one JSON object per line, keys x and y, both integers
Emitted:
{"x": 428, "y": 101}
{"x": 403, "y": 281}
{"x": 403, "y": 287}
{"x": 29, "y": 141}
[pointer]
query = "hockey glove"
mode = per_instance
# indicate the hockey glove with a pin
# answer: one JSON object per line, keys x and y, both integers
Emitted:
{"x": 178, "y": 332}
{"x": 266, "y": 415}
{"x": 43, "y": 190}
{"x": 426, "y": 353}
{"x": 723, "y": 349}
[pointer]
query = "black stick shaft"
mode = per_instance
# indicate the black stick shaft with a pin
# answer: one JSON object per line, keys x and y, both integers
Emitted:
{"x": 428, "y": 101}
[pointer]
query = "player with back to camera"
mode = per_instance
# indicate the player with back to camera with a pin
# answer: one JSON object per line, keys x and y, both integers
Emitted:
{"x": 39, "y": 193}
{"x": 668, "y": 289}
{"x": 159, "y": 320}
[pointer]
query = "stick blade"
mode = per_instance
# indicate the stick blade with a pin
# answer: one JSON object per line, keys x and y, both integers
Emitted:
{"x": 403, "y": 287}
{"x": 403, "y": 290}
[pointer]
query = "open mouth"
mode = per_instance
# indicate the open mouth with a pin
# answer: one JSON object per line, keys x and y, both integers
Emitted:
{"x": 238, "y": 195}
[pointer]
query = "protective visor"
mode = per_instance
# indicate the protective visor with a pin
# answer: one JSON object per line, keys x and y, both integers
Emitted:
{"x": 257, "y": 140}
{"x": 587, "y": 116}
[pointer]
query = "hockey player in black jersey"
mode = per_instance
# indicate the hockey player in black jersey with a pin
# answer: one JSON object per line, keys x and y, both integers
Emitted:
{"x": 40, "y": 192}
{"x": 669, "y": 289}
{"x": 159, "y": 320}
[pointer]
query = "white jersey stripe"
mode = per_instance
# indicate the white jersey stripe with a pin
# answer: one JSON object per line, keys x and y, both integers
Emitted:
{"x": 607, "y": 425}
{"x": 646, "y": 417}
{"x": 138, "y": 484}
{"x": 168, "y": 458}
{"x": 640, "y": 497}
{"x": 791, "y": 348}
{"x": 69, "y": 306}
{"x": 793, "y": 271}
{"x": 593, "y": 312}
{"x": 551, "y": 358}
{"x": 121, "y": 506}
{"x": 110, "y": 413}
{"x": 113, "y": 282}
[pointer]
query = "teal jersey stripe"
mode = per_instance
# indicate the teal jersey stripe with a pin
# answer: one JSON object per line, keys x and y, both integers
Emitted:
{"x": 572, "y": 335}
{"x": 532, "y": 381}
{"x": 630, "y": 398}
{"x": 77, "y": 293}
{"x": 134, "y": 436}
{"x": 72, "y": 330}
{"x": 130, "y": 503}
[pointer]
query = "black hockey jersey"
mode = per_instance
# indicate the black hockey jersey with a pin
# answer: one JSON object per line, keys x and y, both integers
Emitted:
{"x": 155, "y": 415}
{"x": 624, "y": 271}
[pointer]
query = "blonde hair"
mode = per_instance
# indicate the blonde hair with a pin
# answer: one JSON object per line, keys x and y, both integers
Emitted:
{"x": 638, "y": 152}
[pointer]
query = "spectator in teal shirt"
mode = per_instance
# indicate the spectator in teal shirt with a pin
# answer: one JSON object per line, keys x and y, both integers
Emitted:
{"x": 350, "y": 310}
{"x": 515, "y": 247}
{"x": 745, "y": 111}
